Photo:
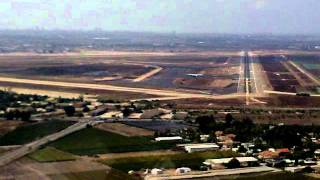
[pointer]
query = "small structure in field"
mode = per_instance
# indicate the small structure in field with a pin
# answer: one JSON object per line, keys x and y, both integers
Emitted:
{"x": 173, "y": 138}
{"x": 183, "y": 170}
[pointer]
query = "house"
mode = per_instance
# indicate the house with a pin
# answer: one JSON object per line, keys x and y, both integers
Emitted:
{"x": 156, "y": 171}
{"x": 183, "y": 170}
{"x": 167, "y": 116}
{"x": 99, "y": 111}
{"x": 135, "y": 116}
{"x": 174, "y": 138}
{"x": 111, "y": 114}
{"x": 180, "y": 115}
{"x": 150, "y": 113}
{"x": 190, "y": 148}
{"x": 227, "y": 140}
{"x": 273, "y": 153}
{"x": 219, "y": 163}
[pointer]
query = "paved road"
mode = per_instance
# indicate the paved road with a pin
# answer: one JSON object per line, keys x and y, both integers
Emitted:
{"x": 28, "y": 148}
{"x": 214, "y": 173}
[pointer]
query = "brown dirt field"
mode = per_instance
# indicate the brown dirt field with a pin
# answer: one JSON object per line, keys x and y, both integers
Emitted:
{"x": 221, "y": 83}
{"x": 221, "y": 71}
{"x": 124, "y": 130}
{"x": 7, "y": 126}
{"x": 136, "y": 154}
{"x": 203, "y": 83}
{"x": 26, "y": 168}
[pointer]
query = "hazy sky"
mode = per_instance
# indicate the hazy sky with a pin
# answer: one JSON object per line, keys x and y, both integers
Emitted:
{"x": 204, "y": 16}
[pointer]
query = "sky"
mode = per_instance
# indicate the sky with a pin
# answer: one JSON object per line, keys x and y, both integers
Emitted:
{"x": 181, "y": 16}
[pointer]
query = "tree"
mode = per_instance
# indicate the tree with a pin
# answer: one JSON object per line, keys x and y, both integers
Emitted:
{"x": 25, "y": 115}
{"x": 126, "y": 112}
{"x": 206, "y": 123}
{"x": 233, "y": 163}
{"x": 70, "y": 110}
{"x": 242, "y": 149}
{"x": 228, "y": 119}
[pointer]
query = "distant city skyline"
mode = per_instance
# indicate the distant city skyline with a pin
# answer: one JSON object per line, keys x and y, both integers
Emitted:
{"x": 181, "y": 16}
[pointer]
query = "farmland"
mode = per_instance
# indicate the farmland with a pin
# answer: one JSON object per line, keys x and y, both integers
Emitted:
{"x": 30, "y": 132}
{"x": 166, "y": 161}
{"x": 50, "y": 154}
{"x": 95, "y": 141}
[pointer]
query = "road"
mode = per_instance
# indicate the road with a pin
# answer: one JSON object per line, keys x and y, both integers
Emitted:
{"x": 28, "y": 148}
{"x": 214, "y": 173}
{"x": 158, "y": 92}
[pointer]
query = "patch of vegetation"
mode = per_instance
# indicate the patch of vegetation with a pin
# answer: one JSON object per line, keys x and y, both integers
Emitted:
{"x": 109, "y": 99}
{"x": 191, "y": 160}
{"x": 50, "y": 154}
{"x": 92, "y": 141}
{"x": 28, "y": 133}
{"x": 97, "y": 175}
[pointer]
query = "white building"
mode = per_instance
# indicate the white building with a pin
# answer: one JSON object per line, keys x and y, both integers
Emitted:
{"x": 244, "y": 161}
{"x": 174, "y": 138}
{"x": 156, "y": 171}
{"x": 190, "y": 148}
{"x": 183, "y": 170}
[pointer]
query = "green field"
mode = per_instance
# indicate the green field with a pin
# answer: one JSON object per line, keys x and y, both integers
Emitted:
{"x": 191, "y": 160}
{"x": 311, "y": 66}
{"x": 94, "y": 175}
{"x": 28, "y": 133}
{"x": 50, "y": 154}
{"x": 92, "y": 141}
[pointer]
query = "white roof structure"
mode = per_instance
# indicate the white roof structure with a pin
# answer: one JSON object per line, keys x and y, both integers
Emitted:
{"x": 112, "y": 114}
{"x": 227, "y": 160}
{"x": 174, "y": 138}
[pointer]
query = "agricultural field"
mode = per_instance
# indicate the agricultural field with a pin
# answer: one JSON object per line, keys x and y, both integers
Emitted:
{"x": 50, "y": 154}
{"x": 30, "y": 132}
{"x": 192, "y": 160}
{"x": 95, "y": 141}
{"x": 7, "y": 126}
{"x": 124, "y": 130}
{"x": 98, "y": 175}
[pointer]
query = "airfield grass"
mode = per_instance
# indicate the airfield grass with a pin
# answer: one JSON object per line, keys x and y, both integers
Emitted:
{"x": 50, "y": 154}
{"x": 311, "y": 66}
{"x": 91, "y": 141}
{"x": 96, "y": 175}
{"x": 28, "y": 133}
{"x": 191, "y": 160}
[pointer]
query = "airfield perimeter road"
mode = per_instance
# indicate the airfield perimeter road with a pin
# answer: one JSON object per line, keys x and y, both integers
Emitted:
{"x": 6, "y": 158}
{"x": 165, "y": 93}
